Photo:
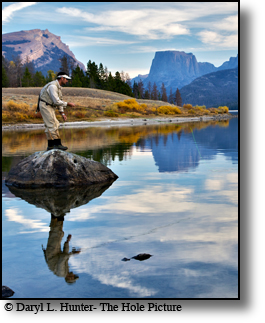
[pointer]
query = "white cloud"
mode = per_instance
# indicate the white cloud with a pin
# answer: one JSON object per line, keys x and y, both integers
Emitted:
{"x": 229, "y": 24}
{"x": 213, "y": 38}
{"x": 83, "y": 41}
{"x": 150, "y": 23}
{"x": 7, "y": 12}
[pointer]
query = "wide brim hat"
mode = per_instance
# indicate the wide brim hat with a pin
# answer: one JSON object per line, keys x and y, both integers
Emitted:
{"x": 65, "y": 76}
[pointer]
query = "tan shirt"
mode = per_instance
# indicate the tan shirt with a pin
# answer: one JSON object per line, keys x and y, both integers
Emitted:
{"x": 52, "y": 94}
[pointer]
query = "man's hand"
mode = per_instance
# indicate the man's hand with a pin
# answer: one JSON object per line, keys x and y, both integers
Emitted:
{"x": 70, "y": 104}
{"x": 64, "y": 116}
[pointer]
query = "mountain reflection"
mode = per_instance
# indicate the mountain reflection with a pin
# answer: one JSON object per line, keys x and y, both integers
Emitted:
{"x": 175, "y": 147}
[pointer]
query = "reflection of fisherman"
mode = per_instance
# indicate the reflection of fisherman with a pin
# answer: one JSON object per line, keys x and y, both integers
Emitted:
{"x": 51, "y": 98}
{"x": 56, "y": 259}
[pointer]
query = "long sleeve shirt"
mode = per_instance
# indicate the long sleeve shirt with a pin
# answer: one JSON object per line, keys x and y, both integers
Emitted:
{"x": 55, "y": 96}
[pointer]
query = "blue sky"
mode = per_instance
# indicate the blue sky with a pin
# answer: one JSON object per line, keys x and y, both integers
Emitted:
{"x": 124, "y": 36}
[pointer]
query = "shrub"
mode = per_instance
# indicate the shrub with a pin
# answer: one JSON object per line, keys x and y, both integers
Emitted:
{"x": 34, "y": 115}
{"x": 79, "y": 114}
{"x": 18, "y": 116}
{"x": 130, "y": 105}
{"x": 223, "y": 109}
{"x": 212, "y": 110}
{"x": 6, "y": 116}
{"x": 111, "y": 113}
{"x": 151, "y": 111}
{"x": 167, "y": 109}
{"x": 18, "y": 107}
{"x": 187, "y": 106}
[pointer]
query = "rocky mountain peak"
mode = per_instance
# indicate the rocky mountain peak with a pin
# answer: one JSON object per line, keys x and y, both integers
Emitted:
{"x": 41, "y": 47}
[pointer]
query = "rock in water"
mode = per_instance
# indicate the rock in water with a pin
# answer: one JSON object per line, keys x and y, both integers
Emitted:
{"x": 142, "y": 256}
{"x": 7, "y": 292}
{"x": 57, "y": 168}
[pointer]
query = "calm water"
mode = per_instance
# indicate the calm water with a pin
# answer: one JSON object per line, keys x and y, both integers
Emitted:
{"x": 176, "y": 198}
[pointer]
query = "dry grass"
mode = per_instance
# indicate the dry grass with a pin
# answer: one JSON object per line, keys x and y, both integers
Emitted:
{"x": 19, "y": 106}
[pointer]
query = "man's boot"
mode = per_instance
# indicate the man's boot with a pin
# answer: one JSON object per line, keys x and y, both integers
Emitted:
{"x": 58, "y": 145}
{"x": 50, "y": 144}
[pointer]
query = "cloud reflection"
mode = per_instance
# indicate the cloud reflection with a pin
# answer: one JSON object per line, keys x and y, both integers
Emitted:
{"x": 32, "y": 224}
{"x": 187, "y": 229}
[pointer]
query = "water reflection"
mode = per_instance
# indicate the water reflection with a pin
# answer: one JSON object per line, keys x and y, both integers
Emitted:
{"x": 176, "y": 199}
{"x": 57, "y": 259}
{"x": 59, "y": 202}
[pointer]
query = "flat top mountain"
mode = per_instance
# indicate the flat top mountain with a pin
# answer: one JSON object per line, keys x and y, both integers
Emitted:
{"x": 176, "y": 69}
{"x": 40, "y": 46}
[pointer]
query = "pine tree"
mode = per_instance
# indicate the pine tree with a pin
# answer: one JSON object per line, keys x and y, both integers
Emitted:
{"x": 135, "y": 90}
{"x": 78, "y": 77}
{"x": 38, "y": 79}
{"x": 163, "y": 93}
{"x": 154, "y": 94}
{"x": 4, "y": 77}
{"x": 178, "y": 99}
{"x": 93, "y": 74}
{"x": 27, "y": 78}
{"x": 146, "y": 95}
{"x": 51, "y": 76}
{"x": 64, "y": 64}
{"x": 149, "y": 86}
{"x": 12, "y": 75}
{"x": 110, "y": 83}
{"x": 171, "y": 97}
{"x": 19, "y": 68}
{"x": 140, "y": 89}
{"x": 76, "y": 82}
{"x": 102, "y": 78}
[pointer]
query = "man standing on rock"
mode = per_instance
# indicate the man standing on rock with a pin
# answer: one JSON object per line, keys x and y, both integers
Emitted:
{"x": 51, "y": 98}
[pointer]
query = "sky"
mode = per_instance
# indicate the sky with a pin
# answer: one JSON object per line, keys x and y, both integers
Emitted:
{"x": 124, "y": 36}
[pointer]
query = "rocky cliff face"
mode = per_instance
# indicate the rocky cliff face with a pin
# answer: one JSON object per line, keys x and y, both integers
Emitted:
{"x": 177, "y": 69}
{"x": 40, "y": 46}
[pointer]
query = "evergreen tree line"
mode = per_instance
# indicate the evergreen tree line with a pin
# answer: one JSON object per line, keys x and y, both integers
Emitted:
{"x": 15, "y": 73}
{"x": 152, "y": 93}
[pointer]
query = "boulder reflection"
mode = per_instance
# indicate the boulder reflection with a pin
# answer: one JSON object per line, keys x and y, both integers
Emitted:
{"x": 58, "y": 202}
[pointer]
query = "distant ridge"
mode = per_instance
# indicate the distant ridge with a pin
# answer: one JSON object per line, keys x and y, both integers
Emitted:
{"x": 214, "y": 89}
{"x": 40, "y": 46}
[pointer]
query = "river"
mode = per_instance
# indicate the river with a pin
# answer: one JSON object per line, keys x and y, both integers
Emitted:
{"x": 176, "y": 199}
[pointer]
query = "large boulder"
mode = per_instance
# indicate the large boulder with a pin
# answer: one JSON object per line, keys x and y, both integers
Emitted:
{"x": 57, "y": 168}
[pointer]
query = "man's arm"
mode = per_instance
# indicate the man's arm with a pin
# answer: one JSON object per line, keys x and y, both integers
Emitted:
{"x": 56, "y": 101}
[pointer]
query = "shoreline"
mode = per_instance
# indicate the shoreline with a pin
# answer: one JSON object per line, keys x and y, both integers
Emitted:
{"x": 120, "y": 122}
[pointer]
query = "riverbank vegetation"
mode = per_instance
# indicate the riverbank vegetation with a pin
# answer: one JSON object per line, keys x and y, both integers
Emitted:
{"x": 22, "y": 112}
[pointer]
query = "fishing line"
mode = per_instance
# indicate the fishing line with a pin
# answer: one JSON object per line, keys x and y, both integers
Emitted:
{"x": 134, "y": 236}
{"x": 195, "y": 143}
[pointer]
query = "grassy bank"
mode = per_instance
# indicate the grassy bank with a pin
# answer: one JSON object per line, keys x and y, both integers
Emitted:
{"x": 19, "y": 106}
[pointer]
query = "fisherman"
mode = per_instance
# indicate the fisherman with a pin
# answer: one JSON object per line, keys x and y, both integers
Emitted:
{"x": 50, "y": 98}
